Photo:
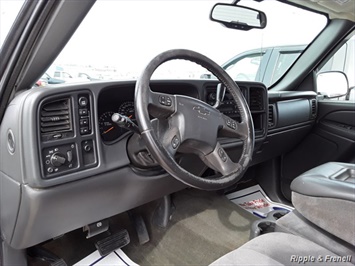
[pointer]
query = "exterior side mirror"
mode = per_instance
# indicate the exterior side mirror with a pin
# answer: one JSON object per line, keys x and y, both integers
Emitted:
{"x": 238, "y": 17}
{"x": 333, "y": 84}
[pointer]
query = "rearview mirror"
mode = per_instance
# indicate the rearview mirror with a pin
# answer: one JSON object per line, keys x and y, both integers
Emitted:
{"x": 238, "y": 17}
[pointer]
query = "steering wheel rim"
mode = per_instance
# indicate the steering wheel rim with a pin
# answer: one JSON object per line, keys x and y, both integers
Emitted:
{"x": 160, "y": 134}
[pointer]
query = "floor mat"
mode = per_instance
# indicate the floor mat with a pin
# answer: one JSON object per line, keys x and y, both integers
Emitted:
{"x": 255, "y": 201}
{"x": 116, "y": 258}
{"x": 204, "y": 227}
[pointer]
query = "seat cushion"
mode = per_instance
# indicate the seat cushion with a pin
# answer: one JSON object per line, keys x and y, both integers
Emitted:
{"x": 281, "y": 249}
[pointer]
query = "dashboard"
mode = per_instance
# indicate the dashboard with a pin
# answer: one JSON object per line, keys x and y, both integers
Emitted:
{"x": 63, "y": 157}
{"x": 120, "y": 99}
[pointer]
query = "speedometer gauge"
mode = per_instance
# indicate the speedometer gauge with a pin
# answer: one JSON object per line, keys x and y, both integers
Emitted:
{"x": 127, "y": 109}
{"x": 109, "y": 131}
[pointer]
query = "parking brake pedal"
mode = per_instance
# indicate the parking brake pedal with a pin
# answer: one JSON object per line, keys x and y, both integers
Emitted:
{"x": 113, "y": 242}
{"x": 43, "y": 254}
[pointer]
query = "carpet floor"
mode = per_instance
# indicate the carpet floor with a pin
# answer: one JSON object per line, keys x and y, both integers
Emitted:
{"x": 203, "y": 227}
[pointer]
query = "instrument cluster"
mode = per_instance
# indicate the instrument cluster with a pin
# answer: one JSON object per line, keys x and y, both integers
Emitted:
{"x": 120, "y": 99}
{"x": 110, "y": 131}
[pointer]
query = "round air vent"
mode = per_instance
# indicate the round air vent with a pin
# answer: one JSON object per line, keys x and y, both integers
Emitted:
{"x": 11, "y": 141}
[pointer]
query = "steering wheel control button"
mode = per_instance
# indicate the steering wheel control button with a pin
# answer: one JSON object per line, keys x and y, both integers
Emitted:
{"x": 222, "y": 154}
{"x": 83, "y": 101}
{"x": 162, "y": 100}
{"x": 165, "y": 100}
{"x": 168, "y": 101}
{"x": 231, "y": 123}
{"x": 175, "y": 142}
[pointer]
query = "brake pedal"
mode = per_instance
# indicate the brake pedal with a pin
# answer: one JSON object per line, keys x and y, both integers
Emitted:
{"x": 113, "y": 242}
{"x": 140, "y": 227}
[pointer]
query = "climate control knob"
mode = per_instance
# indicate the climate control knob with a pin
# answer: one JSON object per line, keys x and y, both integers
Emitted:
{"x": 58, "y": 159}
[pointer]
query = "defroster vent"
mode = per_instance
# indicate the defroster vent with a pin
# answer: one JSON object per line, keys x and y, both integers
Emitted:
{"x": 271, "y": 116}
{"x": 313, "y": 108}
{"x": 55, "y": 117}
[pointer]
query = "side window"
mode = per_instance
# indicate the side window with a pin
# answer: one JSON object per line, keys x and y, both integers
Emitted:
{"x": 284, "y": 61}
{"x": 342, "y": 62}
{"x": 246, "y": 69}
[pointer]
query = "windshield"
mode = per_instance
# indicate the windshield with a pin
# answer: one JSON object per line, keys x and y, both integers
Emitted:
{"x": 118, "y": 38}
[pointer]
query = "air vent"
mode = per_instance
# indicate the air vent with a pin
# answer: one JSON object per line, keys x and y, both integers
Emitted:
{"x": 256, "y": 100}
{"x": 313, "y": 108}
{"x": 55, "y": 117}
{"x": 271, "y": 116}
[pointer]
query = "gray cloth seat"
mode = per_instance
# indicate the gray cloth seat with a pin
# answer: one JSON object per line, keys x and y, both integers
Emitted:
{"x": 280, "y": 249}
{"x": 325, "y": 197}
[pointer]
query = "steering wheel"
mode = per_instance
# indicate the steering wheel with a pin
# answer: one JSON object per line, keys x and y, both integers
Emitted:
{"x": 189, "y": 125}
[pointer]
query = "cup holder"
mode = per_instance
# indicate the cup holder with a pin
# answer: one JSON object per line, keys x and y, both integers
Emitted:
{"x": 277, "y": 214}
{"x": 266, "y": 225}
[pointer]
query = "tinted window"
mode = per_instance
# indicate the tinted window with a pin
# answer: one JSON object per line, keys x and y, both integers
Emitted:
{"x": 284, "y": 61}
{"x": 246, "y": 69}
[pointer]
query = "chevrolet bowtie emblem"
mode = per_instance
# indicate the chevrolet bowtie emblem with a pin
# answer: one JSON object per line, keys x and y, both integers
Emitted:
{"x": 201, "y": 110}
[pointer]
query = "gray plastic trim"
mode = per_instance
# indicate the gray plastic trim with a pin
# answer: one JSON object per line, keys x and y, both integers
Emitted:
{"x": 333, "y": 180}
{"x": 50, "y": 212}
{"x": 10, "y": 196}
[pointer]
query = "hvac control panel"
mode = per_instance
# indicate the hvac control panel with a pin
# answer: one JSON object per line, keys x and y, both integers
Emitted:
{"x": 65, "y": 153}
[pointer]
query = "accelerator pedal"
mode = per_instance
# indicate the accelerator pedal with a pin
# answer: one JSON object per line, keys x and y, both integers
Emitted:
{"x": 113, "y": 242}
